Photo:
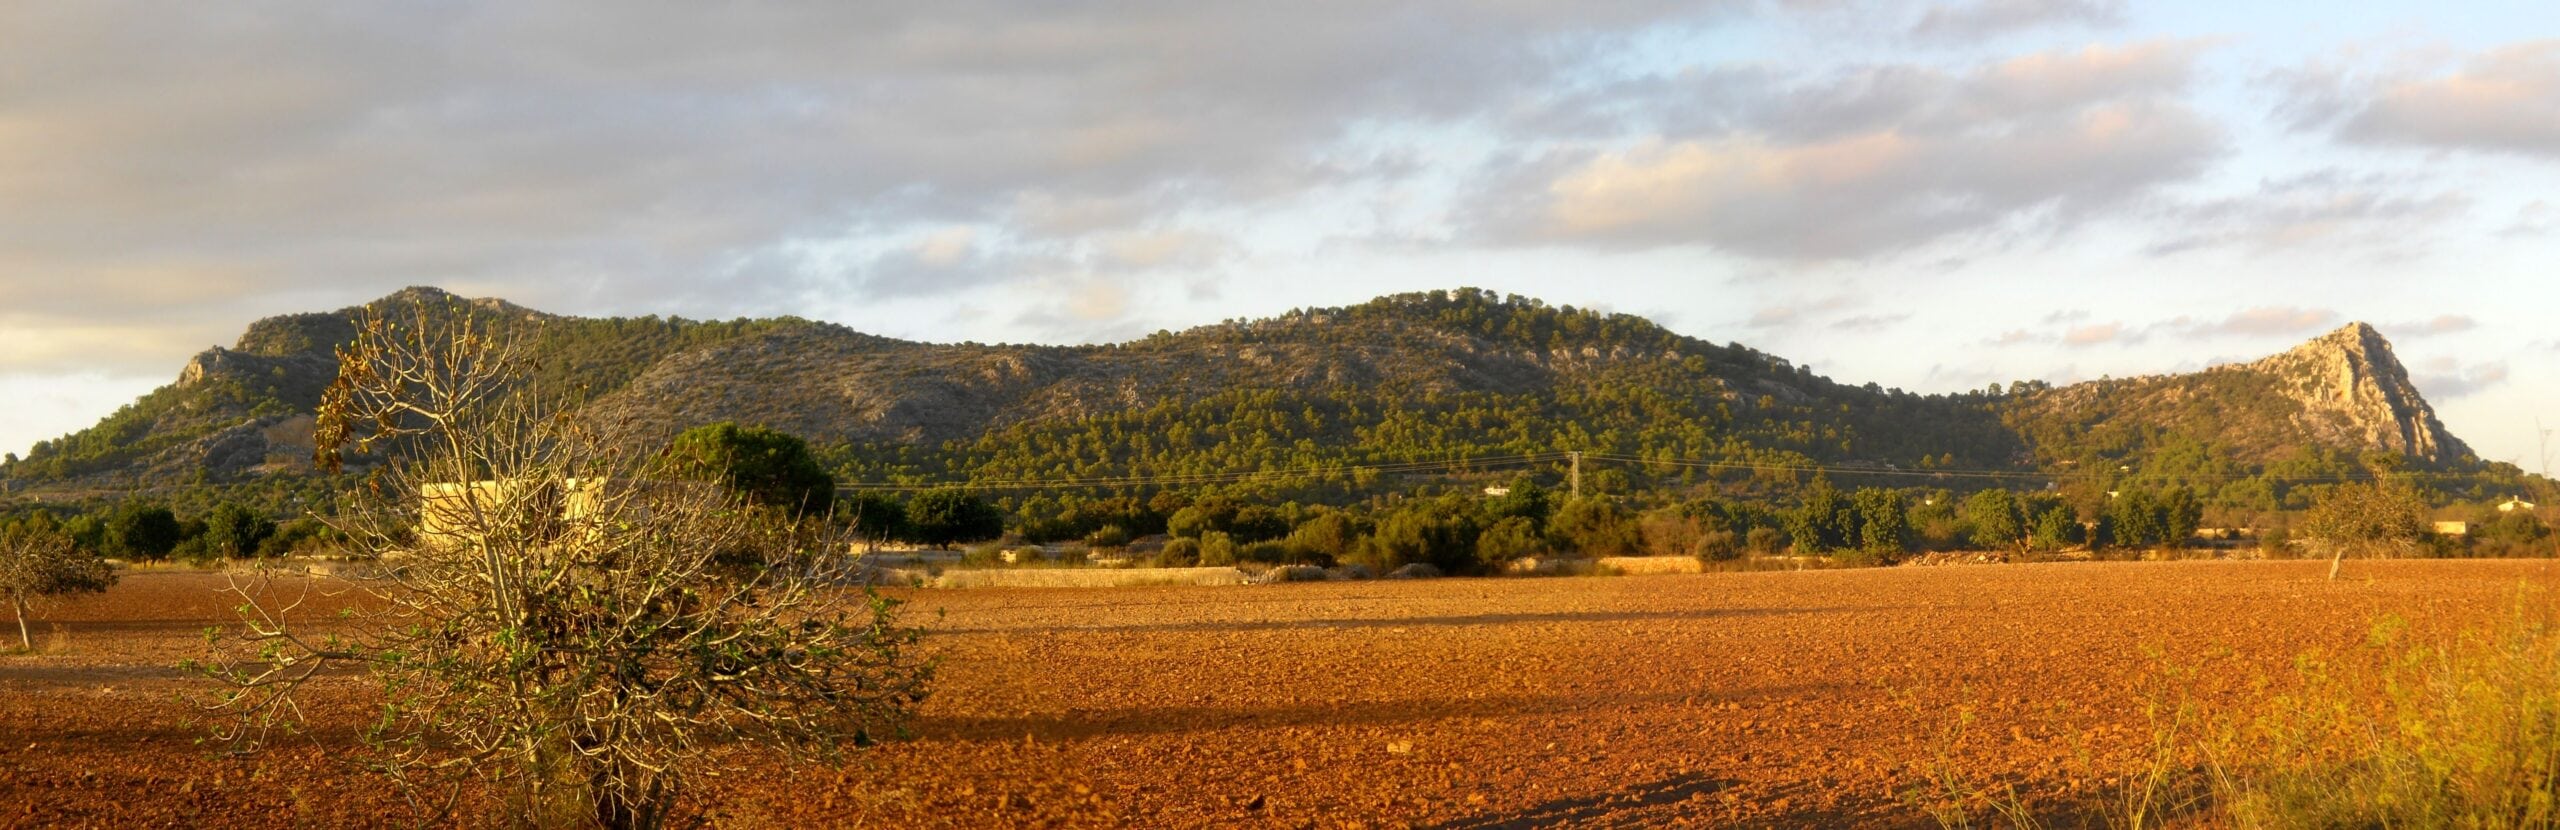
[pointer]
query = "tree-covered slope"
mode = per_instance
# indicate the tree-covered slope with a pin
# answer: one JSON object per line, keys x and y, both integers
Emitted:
{"x": 1461, "y": 374}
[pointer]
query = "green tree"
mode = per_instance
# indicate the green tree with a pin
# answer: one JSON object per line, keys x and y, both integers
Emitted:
{"x": 768, "y": 466}
{"x": 948, "y": 515}
{"x": 1882, "y": 531}
{"x": 1328, "y": 533}
{"x": 2181, "y": 512}
{"x": 875, "y": 517}
{"x": 1510, "y": 538}
{"x": 1525, "y": 500}
{"x": 2056, "y": 527}
{"x": 142, "y": 531}
{"x": 2132, "y": 519}
{"x": 1594, "y": 526}
{"x": 1218, "y": 550}
{"x": 234, "y": 532}
{"x": 1825, "y": 522}
{"x": 1438, "y": 532}
{"x": 1993, "y": 519}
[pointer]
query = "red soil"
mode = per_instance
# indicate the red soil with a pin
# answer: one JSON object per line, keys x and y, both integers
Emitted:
{"x": 1785, "y": 699}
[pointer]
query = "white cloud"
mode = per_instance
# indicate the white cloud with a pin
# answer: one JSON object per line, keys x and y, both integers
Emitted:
{"x": 2444, "y": 378}
{"x": 2441, "y": 324}
{"x": 2505, "y": 99}
{"x": 2269, "y": 320}
{"x": 2097, "y": 334}
{"x": 1904, "y": 156}
{"x": 1971, "y": 22}
{"x": 2328, "y": 209}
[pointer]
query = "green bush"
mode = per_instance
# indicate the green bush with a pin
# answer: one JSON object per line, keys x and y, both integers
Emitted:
{"x": 1217, "y": 549}
{"x": 1267, "y": 553}
{"x": 1722, "y": 545}
{"x": 1109, "y": 536}
{"x": 1509, "y": 539}
{"x": 1179, "y": 553}
{"x": 1764, "y": 541}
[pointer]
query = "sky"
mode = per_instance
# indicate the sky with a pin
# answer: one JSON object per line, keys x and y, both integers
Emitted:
{"x": 1928, "y": 196}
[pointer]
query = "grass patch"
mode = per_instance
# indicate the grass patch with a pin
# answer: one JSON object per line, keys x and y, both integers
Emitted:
{"x": 2398, "y": 731}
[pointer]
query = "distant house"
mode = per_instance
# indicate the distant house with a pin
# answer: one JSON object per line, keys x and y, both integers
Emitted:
{"x": 2453, "y": 528}
{"x": 452, "y": 514}
{"x": 2514, "y": 504}
{"x": 1497, "y": 492}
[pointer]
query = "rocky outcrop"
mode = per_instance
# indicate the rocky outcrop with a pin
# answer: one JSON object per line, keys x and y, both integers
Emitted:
{"x": 2354, "y": 392}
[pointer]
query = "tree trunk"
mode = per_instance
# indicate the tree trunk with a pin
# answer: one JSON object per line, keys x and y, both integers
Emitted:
{"x": 19, "y": 604}
{"x": 2336, "y": 559}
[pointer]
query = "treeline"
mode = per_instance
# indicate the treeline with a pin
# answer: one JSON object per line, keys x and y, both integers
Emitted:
{"x": 148, "y": 531}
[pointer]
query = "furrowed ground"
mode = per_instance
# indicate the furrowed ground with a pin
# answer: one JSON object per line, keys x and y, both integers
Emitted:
{"x": 1815, "y": 698}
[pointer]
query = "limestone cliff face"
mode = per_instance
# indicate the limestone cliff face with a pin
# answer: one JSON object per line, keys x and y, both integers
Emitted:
{"x": 2354, "y": 392}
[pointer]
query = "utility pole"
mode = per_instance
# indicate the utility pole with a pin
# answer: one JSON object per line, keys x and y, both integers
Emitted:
{"x": 1576, "y": 455}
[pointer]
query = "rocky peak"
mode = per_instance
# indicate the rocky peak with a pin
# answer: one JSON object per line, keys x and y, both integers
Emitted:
{"x": 2352, "y": 387}
{"x": 429, "y": 295}
{"x": 208, "y": 363}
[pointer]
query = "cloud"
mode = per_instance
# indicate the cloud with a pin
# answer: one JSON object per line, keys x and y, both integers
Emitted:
{"x": 1869, "y": 323}
{"x": 2535, "y": 219}
{"x": 1878, "y": 160}
{"x": 2097, "y": 334}
{"x": 606, "y": 158}
{"x": 1778, "y": 316}
{"x": 2328, "y": 209}
{"x": 2264, "y": 321}
{"x": 1975, "y": 21}
{"x": 2267, "y": 321}
{"x": 2017, "y": 337}
{"x": 2441, "y": 324}
{"x": 1969, "y": 377}
{"x": 2444, "y": 378}
{"x": 2505, "y": 99}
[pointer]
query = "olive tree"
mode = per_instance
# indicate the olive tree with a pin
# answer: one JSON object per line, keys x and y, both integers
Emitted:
{"x": 2365, "y": 519}
{"x": 39, "y": 562}
{"x": 558, "y": 628}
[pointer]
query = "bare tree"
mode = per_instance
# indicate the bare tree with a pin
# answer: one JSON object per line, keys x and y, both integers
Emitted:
{"x": 555, "y": 624}
{"x": 38, "y": 563}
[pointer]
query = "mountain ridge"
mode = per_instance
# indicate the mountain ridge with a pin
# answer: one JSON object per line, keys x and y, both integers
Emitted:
{"x": 1444, "y": 372}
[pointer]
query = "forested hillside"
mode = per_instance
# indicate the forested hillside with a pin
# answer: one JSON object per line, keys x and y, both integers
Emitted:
{"x": 1416, "y": 392}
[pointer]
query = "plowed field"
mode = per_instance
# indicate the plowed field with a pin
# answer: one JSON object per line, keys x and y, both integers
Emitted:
{"x": 1760, "y": 699}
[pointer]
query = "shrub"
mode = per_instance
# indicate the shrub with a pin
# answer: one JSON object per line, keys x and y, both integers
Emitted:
{"x": 1330, "y": 534}
{"x": 591, "y": 661}
{"x": 1721, "y": 545}
{"x": 1594, "y": 526}
{"x": 950, "y": 514}
{"x": 1266, "y": 553}
{"x": 1764, "y": 541}
{"x": 1217, "y": 549}
{"x": 1179, "y": 553}
{"x": 1109, "y": 536}
{"x": 1509, "y": 539}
